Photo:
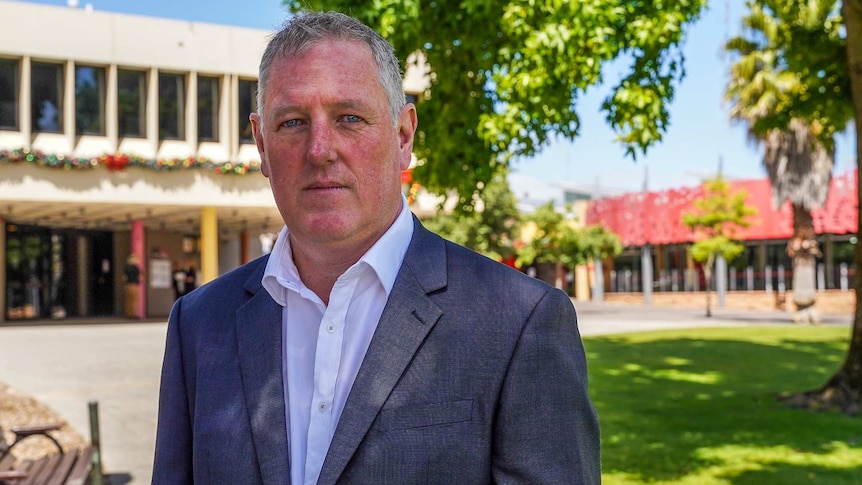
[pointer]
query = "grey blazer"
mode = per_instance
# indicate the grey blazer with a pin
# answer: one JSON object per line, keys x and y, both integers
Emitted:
{"x": 476, "y": 374}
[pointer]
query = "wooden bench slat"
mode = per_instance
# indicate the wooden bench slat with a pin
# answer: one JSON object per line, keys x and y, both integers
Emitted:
{"x": 49, "y": 470}
{"x": 12, "y": 476}
{"x": 61, "y": 472}
{"x": 37, "y": 429}
{"x": 7, "y": 462}
{"x": 41, "y": 470}
{"x": 81, "y": 471}
{"x": 70, "y": 468}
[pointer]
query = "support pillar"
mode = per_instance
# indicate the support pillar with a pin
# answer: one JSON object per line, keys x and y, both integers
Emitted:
{"x": 582, "y": 283}
{"x": 138, "y": 248}
{"x": 646, "y": 274}
{"x": 244, "y": 250}
{"x": 599, "y": 283}
{"x": 721, "y": 280}
{"x": 209, "y": 245}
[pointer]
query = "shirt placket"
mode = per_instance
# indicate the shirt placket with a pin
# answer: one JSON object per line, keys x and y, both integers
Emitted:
{"x": 327, "y": 361}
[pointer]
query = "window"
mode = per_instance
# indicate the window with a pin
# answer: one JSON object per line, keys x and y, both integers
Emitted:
{"x": 172, "y": 107}
{"x": 9, "y": 79}
{"x": 131, "y": 102}
{"x": 47, "y": 97}
{"x": 208, "y": 103}
{"x": 247, "y": 106}
{"x": 89, "y": 100}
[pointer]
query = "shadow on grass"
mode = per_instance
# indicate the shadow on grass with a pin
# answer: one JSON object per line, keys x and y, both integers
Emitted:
{"x": 674, "y": 404}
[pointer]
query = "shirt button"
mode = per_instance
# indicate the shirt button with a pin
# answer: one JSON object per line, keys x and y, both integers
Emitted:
{"x": 330, "y": 327}
{"x": 321, "y": 406}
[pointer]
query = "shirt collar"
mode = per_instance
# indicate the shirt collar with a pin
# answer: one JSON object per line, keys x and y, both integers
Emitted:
{"x": 384, "y": 257}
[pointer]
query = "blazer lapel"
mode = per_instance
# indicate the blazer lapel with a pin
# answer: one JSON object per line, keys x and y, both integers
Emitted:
{"x": 407, "y": 318}
{"x": 258, "y": 330}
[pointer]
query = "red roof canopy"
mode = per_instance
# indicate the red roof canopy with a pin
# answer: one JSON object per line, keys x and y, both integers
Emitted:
{"x": 656, "y": 217}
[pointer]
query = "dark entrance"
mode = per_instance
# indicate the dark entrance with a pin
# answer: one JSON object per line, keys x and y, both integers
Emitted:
{"x": 101, "y": 274}
{"x": 43, "y": 273}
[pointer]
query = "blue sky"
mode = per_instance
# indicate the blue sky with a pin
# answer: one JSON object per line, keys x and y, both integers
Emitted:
{"x": 700, "y": 133}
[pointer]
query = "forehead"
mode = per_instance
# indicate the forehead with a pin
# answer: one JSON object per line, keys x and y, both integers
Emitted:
{"x": 326, "y": 62}
{"x": 329, "y": 74}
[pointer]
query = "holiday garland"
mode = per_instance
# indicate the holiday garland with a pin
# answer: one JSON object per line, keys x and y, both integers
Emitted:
{"x": 120, "y": 161}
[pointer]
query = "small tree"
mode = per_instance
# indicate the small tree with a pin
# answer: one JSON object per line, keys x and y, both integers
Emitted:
{"x": 716, "y": 217}
{"x": 556, "y": 239}
{"x": 490, "y": 228}
{"x": 600, "y": 243}
{"x": 550, "y": 237}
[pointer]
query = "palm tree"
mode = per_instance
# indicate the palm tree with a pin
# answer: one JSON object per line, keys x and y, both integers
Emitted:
{"x": 820, "y": 43}
{"x": 798, "y": 164}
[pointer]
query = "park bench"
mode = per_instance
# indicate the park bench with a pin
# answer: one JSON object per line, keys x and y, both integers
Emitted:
{"x": 64, "y": 467}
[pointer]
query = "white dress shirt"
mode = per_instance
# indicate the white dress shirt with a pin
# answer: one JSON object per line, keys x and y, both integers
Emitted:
{"x": 323, "y": 346}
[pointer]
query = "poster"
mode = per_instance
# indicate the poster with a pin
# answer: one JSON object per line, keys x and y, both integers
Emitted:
{"x": 160, "y": 273}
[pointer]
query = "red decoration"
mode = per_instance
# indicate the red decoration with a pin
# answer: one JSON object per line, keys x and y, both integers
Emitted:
{"x": 115, "y": 163}
{"x": 407, "y": 176}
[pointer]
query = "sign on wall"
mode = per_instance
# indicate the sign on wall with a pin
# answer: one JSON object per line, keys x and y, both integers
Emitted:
{"x": 160, "y": 273}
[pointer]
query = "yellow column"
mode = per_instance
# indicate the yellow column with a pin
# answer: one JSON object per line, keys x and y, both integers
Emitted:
{"x": 582, "y": 282}
{"x": 209, "y": 245}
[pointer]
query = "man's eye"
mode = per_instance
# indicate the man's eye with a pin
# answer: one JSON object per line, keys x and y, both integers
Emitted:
{"x": 291, "y": 123}
{"x": 352, "y": 118}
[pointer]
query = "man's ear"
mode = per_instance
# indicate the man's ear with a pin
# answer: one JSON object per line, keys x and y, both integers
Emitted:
{"x": 257, "y": 132}
{"x": 407, "y": 123}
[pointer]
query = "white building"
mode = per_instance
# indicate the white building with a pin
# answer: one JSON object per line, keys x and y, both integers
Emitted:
{"x": 124, "y": 134}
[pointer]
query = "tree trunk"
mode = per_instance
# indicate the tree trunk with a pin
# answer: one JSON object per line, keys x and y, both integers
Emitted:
{"x": 559, "y": 276}
{"x": 844, "y": 390}
{"x": 707, "y": 275}
{"x": 802, "y": 248}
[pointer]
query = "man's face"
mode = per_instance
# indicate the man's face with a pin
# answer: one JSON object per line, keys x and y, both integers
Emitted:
{"x": 329, "y": 148}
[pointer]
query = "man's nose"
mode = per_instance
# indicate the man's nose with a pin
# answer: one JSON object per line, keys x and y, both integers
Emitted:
{"x": 321, "y": 148}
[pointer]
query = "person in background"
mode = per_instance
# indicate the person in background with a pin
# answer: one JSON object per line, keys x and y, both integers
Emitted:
{"x": 365, "y": 349}
{"x": 178, "y": 276}
{"x": 131, "y": 286}
{"x": 191, "y": 277}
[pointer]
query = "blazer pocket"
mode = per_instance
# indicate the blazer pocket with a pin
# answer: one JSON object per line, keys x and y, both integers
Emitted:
{"x": 436, "y": 414}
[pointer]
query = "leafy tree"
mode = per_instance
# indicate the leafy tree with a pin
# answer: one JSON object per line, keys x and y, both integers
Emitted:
{"x": 489, "y": 229}
{"x": 798, "y": 163}
{"x": 550, "y": 237}
{"x": 715, "y": 218}
{"x": 597, "y": 242}
{"x": 554, "y": 237}
{"x": 506, "y": 76}
{"x": 817, "y": 45}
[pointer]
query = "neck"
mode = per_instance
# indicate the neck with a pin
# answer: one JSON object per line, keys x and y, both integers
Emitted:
{"x": 320, "y": 268}
{"x": 320, "y": 265}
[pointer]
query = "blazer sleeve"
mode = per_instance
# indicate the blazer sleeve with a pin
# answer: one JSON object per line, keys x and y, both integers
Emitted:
{"x": 546, "y": 430}
{"x": 173, "y": 458}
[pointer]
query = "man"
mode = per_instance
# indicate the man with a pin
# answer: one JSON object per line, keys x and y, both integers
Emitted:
{"x": 365, "y": 349}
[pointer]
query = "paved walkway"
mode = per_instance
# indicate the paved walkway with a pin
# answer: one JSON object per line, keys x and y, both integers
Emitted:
{"x": 118, "y": 364}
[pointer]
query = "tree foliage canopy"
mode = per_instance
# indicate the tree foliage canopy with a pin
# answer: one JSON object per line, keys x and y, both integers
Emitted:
{"x": 716, "y": 217}
{"x": 506, "y": 76}
{"x": 491, "y": 230}
{"x": 554, "y": 237}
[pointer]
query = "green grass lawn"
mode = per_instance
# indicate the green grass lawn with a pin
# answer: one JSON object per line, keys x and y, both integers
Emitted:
{"x": 698, "y": 407}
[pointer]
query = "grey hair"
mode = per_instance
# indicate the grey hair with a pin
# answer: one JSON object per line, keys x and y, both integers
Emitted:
{"x": 307, "y": 29}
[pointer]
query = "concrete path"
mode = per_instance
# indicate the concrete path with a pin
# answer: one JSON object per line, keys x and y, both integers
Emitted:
{"x": 118, "y": 364}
